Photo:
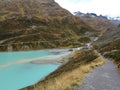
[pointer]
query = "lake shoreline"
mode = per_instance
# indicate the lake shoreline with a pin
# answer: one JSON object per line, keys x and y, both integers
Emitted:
{"x": 50, "y": 59}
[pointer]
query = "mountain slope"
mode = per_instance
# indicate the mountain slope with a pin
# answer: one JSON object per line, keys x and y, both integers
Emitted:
{"x": 36, "y": 24}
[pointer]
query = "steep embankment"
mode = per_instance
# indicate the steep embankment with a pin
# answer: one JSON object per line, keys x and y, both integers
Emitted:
{"x": 36, "y": 24}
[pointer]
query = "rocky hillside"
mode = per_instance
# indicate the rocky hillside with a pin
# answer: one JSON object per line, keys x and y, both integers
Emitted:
{"x": 37, "y": 24}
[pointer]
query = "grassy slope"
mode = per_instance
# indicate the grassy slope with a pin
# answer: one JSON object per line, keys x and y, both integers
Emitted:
{"x": 70, "y": 73}
{"x": 23, "y": 23}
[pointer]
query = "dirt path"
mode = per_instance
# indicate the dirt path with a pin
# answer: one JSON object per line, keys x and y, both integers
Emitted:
{"x": 105, "y": 77}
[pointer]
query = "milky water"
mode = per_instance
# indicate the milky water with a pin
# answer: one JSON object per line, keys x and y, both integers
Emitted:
{"x": 15, "y": 56}
{"x": 18, "y": 76}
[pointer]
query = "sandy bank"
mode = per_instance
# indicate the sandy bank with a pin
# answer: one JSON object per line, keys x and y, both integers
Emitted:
{"x": 51, "y": 59}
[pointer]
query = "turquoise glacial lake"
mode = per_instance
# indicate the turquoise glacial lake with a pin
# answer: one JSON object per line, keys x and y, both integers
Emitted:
{"x": 18, "y": 76}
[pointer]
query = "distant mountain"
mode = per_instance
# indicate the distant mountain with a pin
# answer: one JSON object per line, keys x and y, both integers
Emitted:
{"x": 116, "y": 18}
{"x": 89, "y": 15}
{"x": 100, "y": 23}
{"x": 115, "y": 21}
{"x": 37, "y": 24}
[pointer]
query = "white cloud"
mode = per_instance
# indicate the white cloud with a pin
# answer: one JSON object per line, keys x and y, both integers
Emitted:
{"x": 105, "y": 7}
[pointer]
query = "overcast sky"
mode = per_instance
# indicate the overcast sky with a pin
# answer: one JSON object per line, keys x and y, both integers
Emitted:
{"x": 104, "y": 7}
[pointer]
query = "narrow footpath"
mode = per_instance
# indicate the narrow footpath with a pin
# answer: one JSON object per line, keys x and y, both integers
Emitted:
{"x": 105, "y": 77}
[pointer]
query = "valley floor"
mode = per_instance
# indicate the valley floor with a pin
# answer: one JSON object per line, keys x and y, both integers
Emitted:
{"x": 105, "y": 77}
